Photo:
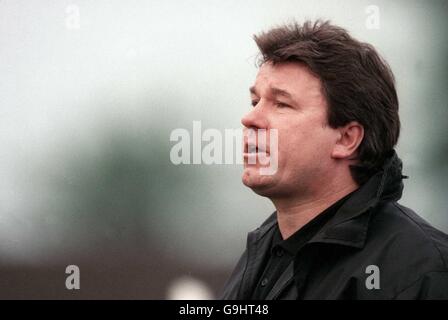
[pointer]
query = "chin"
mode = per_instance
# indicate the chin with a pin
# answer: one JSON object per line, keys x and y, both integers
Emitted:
{"x": 260, "y": 184}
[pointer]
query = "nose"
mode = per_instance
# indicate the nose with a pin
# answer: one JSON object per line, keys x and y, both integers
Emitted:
{"x": 255, "y": 119}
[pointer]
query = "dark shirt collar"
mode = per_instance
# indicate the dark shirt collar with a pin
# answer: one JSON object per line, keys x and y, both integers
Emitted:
{"x": 298, "y": 239}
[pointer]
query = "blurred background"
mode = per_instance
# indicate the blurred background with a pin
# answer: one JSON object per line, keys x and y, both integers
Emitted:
{"x": 89, "y": 94}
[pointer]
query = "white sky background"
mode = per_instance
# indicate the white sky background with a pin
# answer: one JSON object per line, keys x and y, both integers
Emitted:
{"x": 60, "y": 85}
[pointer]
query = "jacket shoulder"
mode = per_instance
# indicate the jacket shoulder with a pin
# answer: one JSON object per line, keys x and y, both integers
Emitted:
{"x": 411, "y": 254}
{"x": 411, "y": 236}
{"x": 427, "y": 233}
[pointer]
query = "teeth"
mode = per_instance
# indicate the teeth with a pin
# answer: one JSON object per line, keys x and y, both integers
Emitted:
{"x": 252, "y": 149}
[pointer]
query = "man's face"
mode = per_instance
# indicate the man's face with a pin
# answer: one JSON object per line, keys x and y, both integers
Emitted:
{"x": 289, "y": 98}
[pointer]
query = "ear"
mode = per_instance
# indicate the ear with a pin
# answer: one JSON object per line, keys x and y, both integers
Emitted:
{"x": 349, "y": 139}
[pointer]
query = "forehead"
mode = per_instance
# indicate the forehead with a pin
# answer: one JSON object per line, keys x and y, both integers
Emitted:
{"x": 292, "y": 77}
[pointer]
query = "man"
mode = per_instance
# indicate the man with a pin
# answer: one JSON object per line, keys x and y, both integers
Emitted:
{"x": 338, "y": 231}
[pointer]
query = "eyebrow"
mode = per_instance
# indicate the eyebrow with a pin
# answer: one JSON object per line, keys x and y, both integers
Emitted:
{"x": 274, "y": 91}
{"x": 280, "y": 92}
{"x": 252, "y": 90}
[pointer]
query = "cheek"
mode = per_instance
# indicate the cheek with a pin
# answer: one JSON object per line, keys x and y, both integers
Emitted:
{"x": 306, "y": 142}
{"x": 295, "y": 135}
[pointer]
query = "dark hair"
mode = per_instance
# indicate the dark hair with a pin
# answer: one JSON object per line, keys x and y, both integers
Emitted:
{"x": 357, "y": 83}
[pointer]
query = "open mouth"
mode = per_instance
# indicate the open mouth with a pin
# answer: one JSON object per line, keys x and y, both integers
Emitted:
{"x": 255, "y": 154}
{"x": 253, "y": 148}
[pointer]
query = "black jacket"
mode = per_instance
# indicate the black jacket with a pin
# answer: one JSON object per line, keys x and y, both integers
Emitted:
{"x": 372, "y": 248}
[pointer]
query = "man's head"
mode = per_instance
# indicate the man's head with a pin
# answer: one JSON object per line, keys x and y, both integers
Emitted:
{"x": 332, "y": 100}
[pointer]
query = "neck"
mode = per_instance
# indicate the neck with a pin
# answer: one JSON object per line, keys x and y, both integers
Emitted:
{"x": 296, "y": 211}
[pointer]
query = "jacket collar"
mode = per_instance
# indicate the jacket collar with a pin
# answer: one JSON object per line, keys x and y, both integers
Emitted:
{"x": 349, "y": 225}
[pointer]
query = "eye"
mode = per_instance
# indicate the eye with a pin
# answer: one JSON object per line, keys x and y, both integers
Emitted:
{"x": 282, "y": 105}
{"x": 254, "y": 103}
